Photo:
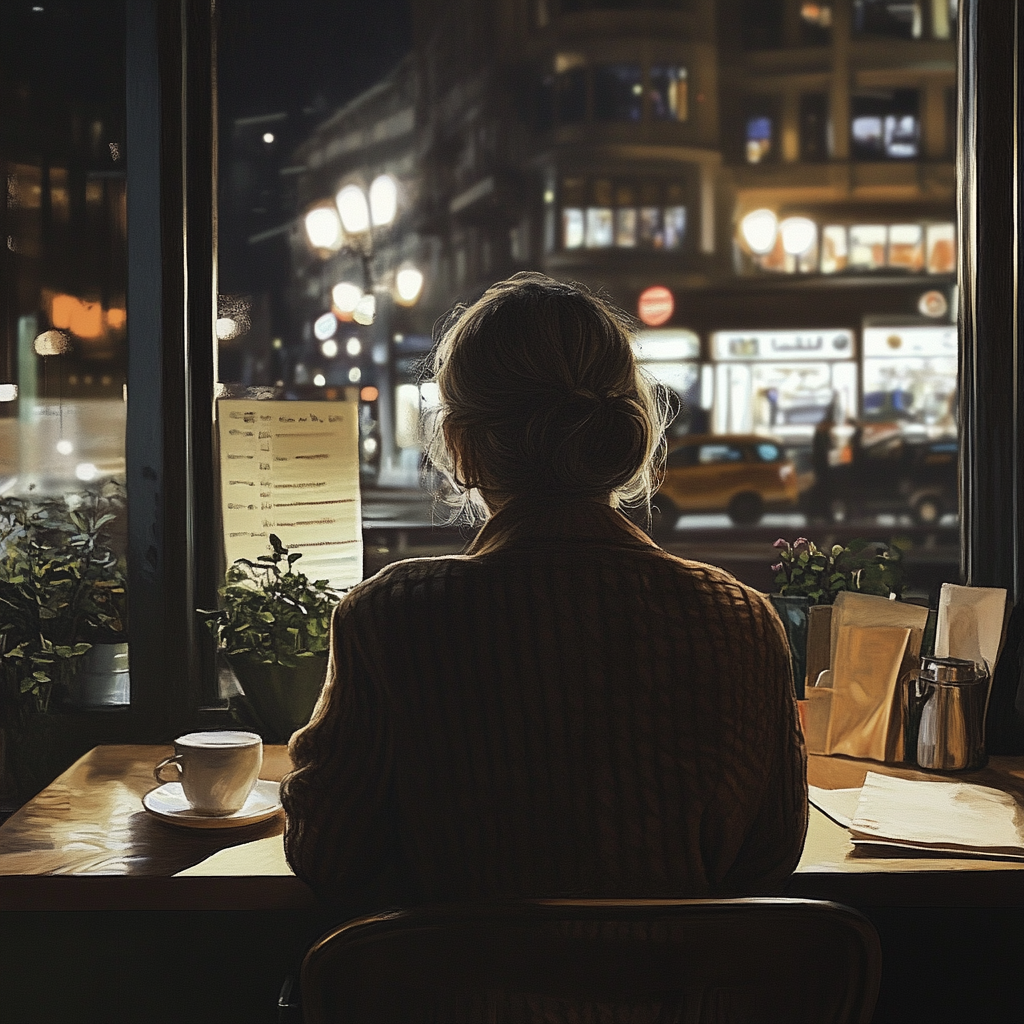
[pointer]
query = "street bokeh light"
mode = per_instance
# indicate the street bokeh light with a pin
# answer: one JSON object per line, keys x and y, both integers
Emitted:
{"x": 383, "y": 200}
{"x": 354, "y": 210}
{"x": 323, "y": 229}
{"x": 759, "y": 229}
{"x": 408, "y": 285}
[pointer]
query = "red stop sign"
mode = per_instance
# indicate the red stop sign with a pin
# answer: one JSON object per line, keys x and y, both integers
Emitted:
{"x": 655, "y": 306}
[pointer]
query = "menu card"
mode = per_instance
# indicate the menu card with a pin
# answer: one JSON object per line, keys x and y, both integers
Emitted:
{"x": 292, "y": 468}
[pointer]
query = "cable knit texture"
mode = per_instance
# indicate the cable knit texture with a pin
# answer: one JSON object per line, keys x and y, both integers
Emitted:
{"x": 564, "y": 710}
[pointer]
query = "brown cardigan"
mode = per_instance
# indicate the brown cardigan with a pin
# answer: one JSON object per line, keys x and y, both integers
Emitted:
{"x": 566, "y": 709}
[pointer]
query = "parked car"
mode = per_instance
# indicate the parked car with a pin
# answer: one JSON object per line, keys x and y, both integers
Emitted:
{"x": 741, "y": 474}
{"x": 899, "y": 474}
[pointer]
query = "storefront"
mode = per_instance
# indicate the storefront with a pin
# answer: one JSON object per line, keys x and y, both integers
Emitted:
{"x": 782, "y": 382}
{"x": 910, "y": 377}
{"x": 672, "y": 357}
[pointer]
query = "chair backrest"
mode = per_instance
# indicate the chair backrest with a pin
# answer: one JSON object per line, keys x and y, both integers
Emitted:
{"x": 658, "y": 961}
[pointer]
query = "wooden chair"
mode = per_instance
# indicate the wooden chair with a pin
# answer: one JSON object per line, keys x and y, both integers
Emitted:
{"x": 577, "y": 961}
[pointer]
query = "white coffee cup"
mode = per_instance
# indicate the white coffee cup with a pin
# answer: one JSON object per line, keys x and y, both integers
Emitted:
{"x": 217, "y": 770}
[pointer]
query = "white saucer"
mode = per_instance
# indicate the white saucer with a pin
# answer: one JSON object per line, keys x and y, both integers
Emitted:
{"x": 168, "y": 803}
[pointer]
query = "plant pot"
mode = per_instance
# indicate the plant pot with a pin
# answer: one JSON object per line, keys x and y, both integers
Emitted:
{"x": 280, "y": 698}
{"x": 794, "y": 613}
{"x": 102, "y": 678}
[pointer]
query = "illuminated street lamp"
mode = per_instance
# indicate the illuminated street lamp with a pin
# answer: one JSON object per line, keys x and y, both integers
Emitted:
{"x": 323, "y": 229}
{"x": 759, "y": 229}
{"x": 408, "y": 284}
{"x": 383, "y": 200}
{"x": 798, "y": 235}
{"x": 353, "y": 210}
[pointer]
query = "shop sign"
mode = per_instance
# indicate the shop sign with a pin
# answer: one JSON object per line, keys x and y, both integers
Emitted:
{"x": 910, "y": 341}
{"x": 824, "y": 343}
{"x": 666, "y": 346}
{"x": 655, "y": 306}
{"x": 933, "y": 304}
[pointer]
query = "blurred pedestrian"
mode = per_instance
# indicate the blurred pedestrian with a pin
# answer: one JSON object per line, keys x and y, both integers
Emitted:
{"x": 822, "y": 495}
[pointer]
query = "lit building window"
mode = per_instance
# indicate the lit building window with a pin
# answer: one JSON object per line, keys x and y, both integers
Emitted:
{"x": 906, "y": 247}
{"x": 940, "y": 247}
{"x": 902, "y": 19}
{"x": 834, "y": 252}
{"x": 599, "y": 227}
{"x": 670, "y": 97}
{"x": 868, "y": 246}
{"x": 572, "y": 228}
{"x": 625, "y": 226}
{"x": 885, "y": 125}
{"x": 759, "y": 138}
{"x": 674, "y": 226}
{"x": 618, "y": 92}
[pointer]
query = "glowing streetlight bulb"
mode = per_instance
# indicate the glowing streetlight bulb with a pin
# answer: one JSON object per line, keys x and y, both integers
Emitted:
{"x": 408, "y": 285}
{"x": 354, "y": 211}
{"x": 325, "y": 326}
{"x": 65, "y": 447}
{"x": 319, "y": 380}
{"x": 329, "y": 348}
{"x": 383, "y": 200}
{"x": 323, "y": 228}
{"x": 798, "y": 235}
{"x": 759, "y": 228}
{"x": 346, "y": 297}
{"x": 355, "y": 374}
{"x": 86, "y": 471}
{"x": 226, "y": 328}
{"x": 353, "y": 346}
{"x": 366, "y": 310}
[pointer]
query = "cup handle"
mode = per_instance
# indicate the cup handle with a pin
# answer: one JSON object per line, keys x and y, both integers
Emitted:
{"x": 166, "y": 763}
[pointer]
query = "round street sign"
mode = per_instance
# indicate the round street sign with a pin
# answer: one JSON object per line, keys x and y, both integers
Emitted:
{"x": 655, "y": 306}
{"x": 933, "y": 304}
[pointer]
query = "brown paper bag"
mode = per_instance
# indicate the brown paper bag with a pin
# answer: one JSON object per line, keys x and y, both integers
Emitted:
{"x": 868, "y": 662}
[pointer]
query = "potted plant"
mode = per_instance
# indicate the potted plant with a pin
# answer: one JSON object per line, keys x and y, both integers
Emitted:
{"x": 274, "y": 629}
{"x": 62, "y": 593}
{"x": 808, "y": 577}
{"x": 62, "y": 590}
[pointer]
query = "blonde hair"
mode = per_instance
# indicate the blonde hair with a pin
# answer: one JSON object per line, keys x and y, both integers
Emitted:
{"x": 541, "y": 395}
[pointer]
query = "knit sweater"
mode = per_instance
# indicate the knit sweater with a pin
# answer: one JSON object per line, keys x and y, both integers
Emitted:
{"x": 563, "y": 710}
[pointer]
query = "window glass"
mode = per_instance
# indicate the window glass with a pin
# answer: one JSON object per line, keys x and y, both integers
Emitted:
{"x": 715, "y": 453}
{"x": 768, "y": 452}
{"x": 618, "y": 92}
{"x": 599, "y": 230}
{"x": 760, "y": 137}
{"x": 814, "y": 127}
{"x": 884, "y": 125}
{"x": 762, "y": 24}
{"x": 670, "y": 96}
{"x": 63, "y": 351}
{"x": 571, "y": 95}
{"x": 815, "y": 23}
{"x": 902, "y": 19}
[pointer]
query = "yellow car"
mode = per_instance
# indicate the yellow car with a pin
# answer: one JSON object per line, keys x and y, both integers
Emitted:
{"x": 741, "y": 474}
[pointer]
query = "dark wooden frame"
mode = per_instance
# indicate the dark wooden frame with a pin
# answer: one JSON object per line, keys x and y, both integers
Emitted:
{"x": 992, "y": 355}
{"x": 172, "y": 309}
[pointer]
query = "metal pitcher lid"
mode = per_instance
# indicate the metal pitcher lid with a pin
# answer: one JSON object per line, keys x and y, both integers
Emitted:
{"x": 951, "y": 670}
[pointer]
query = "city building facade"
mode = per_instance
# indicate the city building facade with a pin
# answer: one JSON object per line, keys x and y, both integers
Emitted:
{"x": 768, "y": 186}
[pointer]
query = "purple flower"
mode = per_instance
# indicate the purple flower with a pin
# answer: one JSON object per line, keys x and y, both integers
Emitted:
{"x": 780, "y": 543}
{"x": 801, "y": 540}
{"x": 777, "y": 567}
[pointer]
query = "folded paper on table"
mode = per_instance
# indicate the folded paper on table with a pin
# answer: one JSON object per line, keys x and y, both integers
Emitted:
{"x": 262, "y": 857}
{"x": 970, "y": 623}
{"x": 938, "y": 817}
{"x": 869, "y": 661}
{"x": 838, "y": 804}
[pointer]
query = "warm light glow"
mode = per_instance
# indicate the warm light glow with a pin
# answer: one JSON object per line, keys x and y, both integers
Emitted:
{"x": 116, "y": 319}
{"x": 346, "y": 297}
{"x": 323, "y": 228}
{"x": 408, "y": 285}
{"x": 268, "y": 137}
{"x": 355, "y": 213}
{"x": 383, "y": 200}
{"x": 370, "y": 444}
{"x": 226, "y": 328}
{"x": 355, "y": 375}
{"x": 8, "y": 392}
{"x": 798, "y": 235}
{"x": 82, "y": 318}
{"x": 353, "y": 346}
{"x": 86, "y": 471}
{"x": 325, "y": 326}
{"x": 319, "y": 380}
{"x": 277, "y": 343}
{"x": 51, "y": 343}
{"x": 329, "y": 348}
{"x": 759, "y": 229}
{"x": 369, "y": 393}
{"x": 366, "y": 310}
{"x": 65, "y": 447}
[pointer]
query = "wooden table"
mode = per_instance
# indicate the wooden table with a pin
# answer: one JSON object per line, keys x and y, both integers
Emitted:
{"x": 86, "y": 843}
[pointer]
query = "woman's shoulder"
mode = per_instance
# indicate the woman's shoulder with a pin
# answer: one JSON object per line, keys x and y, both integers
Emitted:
{"x": 715, "y": 584}
{"x": 397, "y": 578}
